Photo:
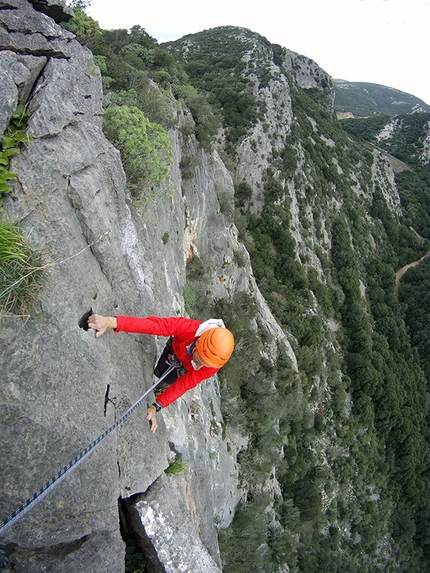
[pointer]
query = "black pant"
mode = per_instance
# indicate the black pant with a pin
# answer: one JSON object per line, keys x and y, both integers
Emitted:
{"x": 164, "y": 362}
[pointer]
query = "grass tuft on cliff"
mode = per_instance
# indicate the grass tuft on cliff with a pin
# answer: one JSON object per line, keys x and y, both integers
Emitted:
{"x": 21, "y": 274}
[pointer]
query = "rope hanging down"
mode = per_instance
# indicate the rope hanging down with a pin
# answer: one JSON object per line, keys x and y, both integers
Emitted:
{"x": 73, "y": 464}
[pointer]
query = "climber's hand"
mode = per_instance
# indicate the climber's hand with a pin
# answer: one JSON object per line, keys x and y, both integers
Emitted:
{"x": 151, "y": 415}
{"x": 102, "y": 323}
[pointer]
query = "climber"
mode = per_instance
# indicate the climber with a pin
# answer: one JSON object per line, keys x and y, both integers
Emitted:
{"x": 199, "y": 349}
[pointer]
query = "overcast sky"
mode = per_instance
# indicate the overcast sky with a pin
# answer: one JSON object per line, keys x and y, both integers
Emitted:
{"x": 380, "y": 41}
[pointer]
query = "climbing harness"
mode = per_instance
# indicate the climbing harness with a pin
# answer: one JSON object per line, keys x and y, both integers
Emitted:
{"x": 73, "y": 464}
{"x": 172, "y": 360}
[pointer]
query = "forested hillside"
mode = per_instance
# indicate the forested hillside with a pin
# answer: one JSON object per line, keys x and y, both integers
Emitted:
{"x": 336, "y": 470}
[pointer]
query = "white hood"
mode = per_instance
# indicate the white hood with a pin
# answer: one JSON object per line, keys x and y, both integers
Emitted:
{"x": 208, "y": 324}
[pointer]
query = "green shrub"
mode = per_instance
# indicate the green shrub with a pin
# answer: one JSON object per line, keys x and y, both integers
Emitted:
{"x": 187, "y": 166}
{"x": 242, "y": 194}
{"x": 190, "y": 300}
{"x": 156, "y": 104}
{"x": 144, "y": 146}
{"x": 84, "y": 27}
{"x": 177, "y": 466}
{"x": 207, "y": 121}
{"x": 196, "y": 269}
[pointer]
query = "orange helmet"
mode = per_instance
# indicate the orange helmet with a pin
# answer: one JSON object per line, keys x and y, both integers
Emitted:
{"x": 215, "y": 346}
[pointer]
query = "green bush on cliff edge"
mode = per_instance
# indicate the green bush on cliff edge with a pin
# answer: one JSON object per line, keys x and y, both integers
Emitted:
{"x": 144, "y": 146}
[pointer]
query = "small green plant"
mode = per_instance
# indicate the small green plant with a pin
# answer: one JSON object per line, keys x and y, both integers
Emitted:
{"x": 11, "y": 244}
{"x": 13, "y": 136}
{"x": 21, "y": 274}
{"x": 134, "y": 560}
{"x": 177, "y": 466}
{"x": 165, "y": 238}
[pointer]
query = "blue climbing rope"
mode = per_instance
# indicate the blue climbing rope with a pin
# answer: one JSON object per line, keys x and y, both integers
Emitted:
{"x": 73, "y": 464}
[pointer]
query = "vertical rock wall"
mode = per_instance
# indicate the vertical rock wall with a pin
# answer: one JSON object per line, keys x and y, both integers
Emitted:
{"x": 99, "y": 252}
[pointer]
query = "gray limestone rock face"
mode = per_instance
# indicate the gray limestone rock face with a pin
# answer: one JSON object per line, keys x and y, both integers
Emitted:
{"x": 9, "y": 99}
{"x": 55, "y": 9}
{"x": 54, "y": 374}
{"x": 98, "y": 252}
{"x": 153, "y": 518}
{"x": 21, "y": 72}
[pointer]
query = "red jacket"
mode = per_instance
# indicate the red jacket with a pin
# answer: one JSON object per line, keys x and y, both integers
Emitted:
{"x": 183, "y": 331}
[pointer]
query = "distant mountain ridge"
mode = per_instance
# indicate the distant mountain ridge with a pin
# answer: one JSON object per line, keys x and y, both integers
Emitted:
{"x": 361, "y": 99}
